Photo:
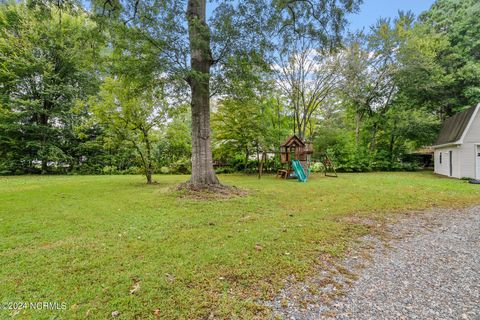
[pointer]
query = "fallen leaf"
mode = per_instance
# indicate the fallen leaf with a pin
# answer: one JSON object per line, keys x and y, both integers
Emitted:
{"x": 170, "y": 278}
{"x": 156, "y": 313}
{"x": 135, "y": 288}
{"x": 258, "y": 247}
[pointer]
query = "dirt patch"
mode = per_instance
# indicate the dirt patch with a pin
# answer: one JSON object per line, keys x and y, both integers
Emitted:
{"x": 209, "y": 192}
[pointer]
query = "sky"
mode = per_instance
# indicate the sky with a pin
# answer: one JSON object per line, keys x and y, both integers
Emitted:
{"x": 371, "y": 10}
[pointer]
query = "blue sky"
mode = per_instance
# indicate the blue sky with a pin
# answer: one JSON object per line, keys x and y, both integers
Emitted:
{"x": 371, "y": 10}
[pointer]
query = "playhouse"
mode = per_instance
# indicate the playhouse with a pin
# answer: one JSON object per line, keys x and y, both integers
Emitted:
{"x": 296, "y": 154}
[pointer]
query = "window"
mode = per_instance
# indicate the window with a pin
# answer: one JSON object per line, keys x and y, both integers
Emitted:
{"x": 440, "y": 158}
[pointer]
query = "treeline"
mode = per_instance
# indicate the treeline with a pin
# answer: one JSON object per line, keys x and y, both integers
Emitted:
{"x": 83, "y": 91}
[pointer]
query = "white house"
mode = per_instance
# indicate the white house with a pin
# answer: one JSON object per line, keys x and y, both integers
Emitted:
{"x": 457, "y": 149}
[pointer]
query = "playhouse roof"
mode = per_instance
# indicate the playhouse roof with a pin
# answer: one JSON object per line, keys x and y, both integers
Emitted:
{"x": 454, "y": 127}
{"x": 293, "y": 141}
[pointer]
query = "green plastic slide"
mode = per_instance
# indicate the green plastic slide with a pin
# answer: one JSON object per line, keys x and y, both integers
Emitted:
{"x": 297, "y": 167}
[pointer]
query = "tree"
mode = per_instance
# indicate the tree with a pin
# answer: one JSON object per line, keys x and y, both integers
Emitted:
{"x": 307, "y": 78}
{"x": 445, "y": 40}
{"x": 131, "y": 113}
{"x": 47, "y": 62}
{"x": 175, "y": 143}
{"x": 201, "y": 61}
{"x": 370, "y": 67}
{"x": 249, "y": 120}
{"x": 198, "y": 51}
{"x": 421, "y": 78}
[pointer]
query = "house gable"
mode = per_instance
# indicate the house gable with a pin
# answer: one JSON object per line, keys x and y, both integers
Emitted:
{"x": 454, "y": 128}
{"x": 472, "y": 132}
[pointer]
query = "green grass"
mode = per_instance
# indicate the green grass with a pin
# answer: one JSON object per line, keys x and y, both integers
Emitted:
{"x": 85, "y": 240}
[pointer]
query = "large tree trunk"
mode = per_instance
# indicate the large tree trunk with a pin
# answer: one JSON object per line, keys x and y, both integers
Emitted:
{"x": 201, "y": 61}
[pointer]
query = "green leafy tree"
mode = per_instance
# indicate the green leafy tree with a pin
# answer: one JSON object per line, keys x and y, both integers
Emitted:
{"x": 175, "y": 142}
{"x": 249, "y": 120}
{"x": 458, "y": 22}
{"x": 132, "y": 113}
{"x": 46, "y": 57}
{"x": 378, "y": 70}
{"x": 197, "y": 47}
{"x": 308, "y": 78}
{"x": 249, "y": 127}
{"x": 369, "y": 73}
{"x": 421, "y": 78}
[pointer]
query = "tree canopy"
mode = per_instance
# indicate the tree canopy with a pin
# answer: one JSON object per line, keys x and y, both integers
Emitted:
{"x": 131, "y": 86}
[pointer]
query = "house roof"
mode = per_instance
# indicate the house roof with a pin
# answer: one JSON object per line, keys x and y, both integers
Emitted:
{"x": 293, "y": 140}
{"x": 454, "y": 127}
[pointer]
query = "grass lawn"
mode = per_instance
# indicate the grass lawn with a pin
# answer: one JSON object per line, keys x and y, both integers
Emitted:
{"x": 89, "y": 240}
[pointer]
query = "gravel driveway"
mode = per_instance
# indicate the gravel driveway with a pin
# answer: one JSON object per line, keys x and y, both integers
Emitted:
{"x": 430, "y": 270}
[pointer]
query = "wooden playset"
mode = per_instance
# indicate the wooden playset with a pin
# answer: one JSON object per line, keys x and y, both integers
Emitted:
{"x": 297, "y": 155}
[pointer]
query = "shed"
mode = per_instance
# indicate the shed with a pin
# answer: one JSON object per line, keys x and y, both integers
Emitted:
{"x": 457, "y": 149}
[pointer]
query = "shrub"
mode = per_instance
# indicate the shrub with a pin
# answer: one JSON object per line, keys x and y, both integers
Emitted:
{"x": 133, "y": 170}
{"x": 316, "y": 167}
{"x": 225, "y": 170}
{"x": 109, "y": 170}
{"x": 183, "y": 166}
{"x": 164, "y": 170}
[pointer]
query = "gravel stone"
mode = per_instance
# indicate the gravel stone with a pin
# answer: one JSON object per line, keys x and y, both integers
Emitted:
{"x": 429, "y": 268}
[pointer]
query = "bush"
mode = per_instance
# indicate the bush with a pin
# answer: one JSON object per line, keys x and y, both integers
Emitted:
{"x": 109, "y": 170}
{"x": 164, "y": 170}
{"x": 4, "y": 169}
{"x": 133, "y": 170}
{"x": 225, "y": 170}
{"x": 410, "y": 166}
{"x": 85, "y": 168}
{"x": 183, "y": 166}
{"x": 316, "y": 167}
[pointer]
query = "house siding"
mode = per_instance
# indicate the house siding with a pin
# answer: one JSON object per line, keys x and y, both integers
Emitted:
{"x": 444, "y": 167}
{"x": 467, "y": 165}
{"x": 469, "y": 148}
